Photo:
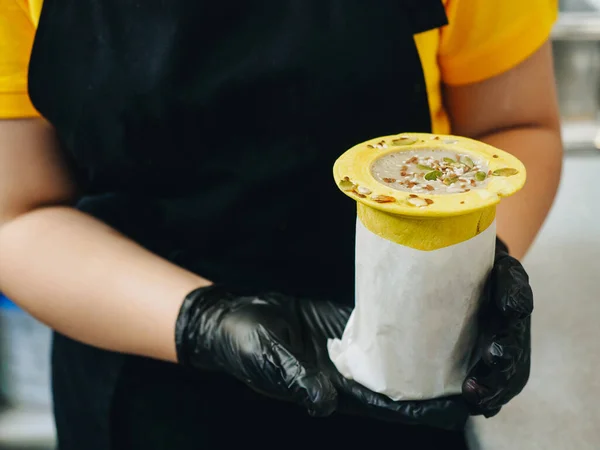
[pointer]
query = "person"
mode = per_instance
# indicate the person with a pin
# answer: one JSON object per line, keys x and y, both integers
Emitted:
{"x": 166, "y": 204}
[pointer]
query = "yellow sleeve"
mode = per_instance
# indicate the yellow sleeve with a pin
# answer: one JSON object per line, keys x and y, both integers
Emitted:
{"x": 485, "y": 38}
{"x": 17, "y": 31}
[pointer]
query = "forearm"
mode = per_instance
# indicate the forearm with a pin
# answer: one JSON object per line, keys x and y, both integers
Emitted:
{"x": 92, "y": 284}
{"x": 521, "y": 216}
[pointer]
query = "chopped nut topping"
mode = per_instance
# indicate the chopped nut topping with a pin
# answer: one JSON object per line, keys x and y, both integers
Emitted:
{"x": 379, "y": 145}
{"x": 383, "y": 199}
{"x": 505, "y": 172}
{"x": 404, "y": 140}
{"x": 417, "y": 201}
{"x": 347, "y": 185}
{"x": 446, "y": 172}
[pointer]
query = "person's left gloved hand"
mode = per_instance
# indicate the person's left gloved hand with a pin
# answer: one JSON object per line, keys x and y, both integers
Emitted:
{"x": 505, "y": 345}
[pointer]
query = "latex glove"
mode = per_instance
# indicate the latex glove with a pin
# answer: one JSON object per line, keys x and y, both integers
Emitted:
{"x": 256, "y": 339}
{"x": 505, "y": 345}
{"x": 325, "y": 320}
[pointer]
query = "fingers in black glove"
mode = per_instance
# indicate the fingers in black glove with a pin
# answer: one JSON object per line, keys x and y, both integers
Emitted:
{"x": 503, "y": 370}
{"x": 449, "y": 413}
{"x": 511, "y": 292}
{"x": 256, "y": 339}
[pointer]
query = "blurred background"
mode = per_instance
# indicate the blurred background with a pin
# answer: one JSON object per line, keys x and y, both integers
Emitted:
{"x": 558, "y": 409}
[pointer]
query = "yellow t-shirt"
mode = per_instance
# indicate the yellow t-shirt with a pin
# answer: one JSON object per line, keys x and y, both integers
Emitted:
{"x": 484, "y": 38}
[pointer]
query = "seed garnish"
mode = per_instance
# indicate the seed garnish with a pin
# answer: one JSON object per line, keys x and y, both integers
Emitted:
{"x": 347, "y": 185}
{"x": 379, "y": 145}
{"x": 505, "y": 172}
{"x": 467, "y": 162}
{"x": 450, "y": 180}
{"x": 383, "y": 199}
{"x": 403, "y": 140}
{"x": 418, "y": 201}
{"x": 431, "y": 172}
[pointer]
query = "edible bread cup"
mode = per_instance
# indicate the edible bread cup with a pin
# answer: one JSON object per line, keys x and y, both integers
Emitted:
{"x": 425, "y": 239}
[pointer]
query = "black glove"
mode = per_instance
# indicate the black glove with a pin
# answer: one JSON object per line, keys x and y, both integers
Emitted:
{"x": 277, "y": 345}
{"x": 505, "y": 345}
{"x": 258, "y": 340}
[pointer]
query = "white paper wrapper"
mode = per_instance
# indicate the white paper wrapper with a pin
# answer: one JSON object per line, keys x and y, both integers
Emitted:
{"x": 412, "y": 333}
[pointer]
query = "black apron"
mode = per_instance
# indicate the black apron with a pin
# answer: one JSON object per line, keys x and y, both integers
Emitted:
{"x": 206, "y": 131}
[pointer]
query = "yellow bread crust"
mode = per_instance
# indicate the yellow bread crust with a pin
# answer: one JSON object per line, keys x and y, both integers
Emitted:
{"x": 355, "y": 164}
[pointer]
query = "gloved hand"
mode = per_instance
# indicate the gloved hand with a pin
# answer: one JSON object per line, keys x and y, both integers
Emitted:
{"x": 505, "y": 345}
{"x": 259, "y": 340}
{"x": 277, "y": 345}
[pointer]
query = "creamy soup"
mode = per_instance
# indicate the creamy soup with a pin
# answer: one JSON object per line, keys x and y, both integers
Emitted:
{"x": 431, "y": 171}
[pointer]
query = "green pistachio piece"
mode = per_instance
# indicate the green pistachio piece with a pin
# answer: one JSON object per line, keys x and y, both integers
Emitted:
{"x": 347, "y": 185}
{"x": 505, "y": 172}
{"x": 480, "y": 176}
{"x": 403, "y": 141}
{"x": 434, "y": 175}
{"x": 450, "y": 180}
{"x": 467, "y": 162}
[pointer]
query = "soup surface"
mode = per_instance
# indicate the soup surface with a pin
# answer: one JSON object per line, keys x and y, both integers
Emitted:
{"x": 431, "y": 171}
